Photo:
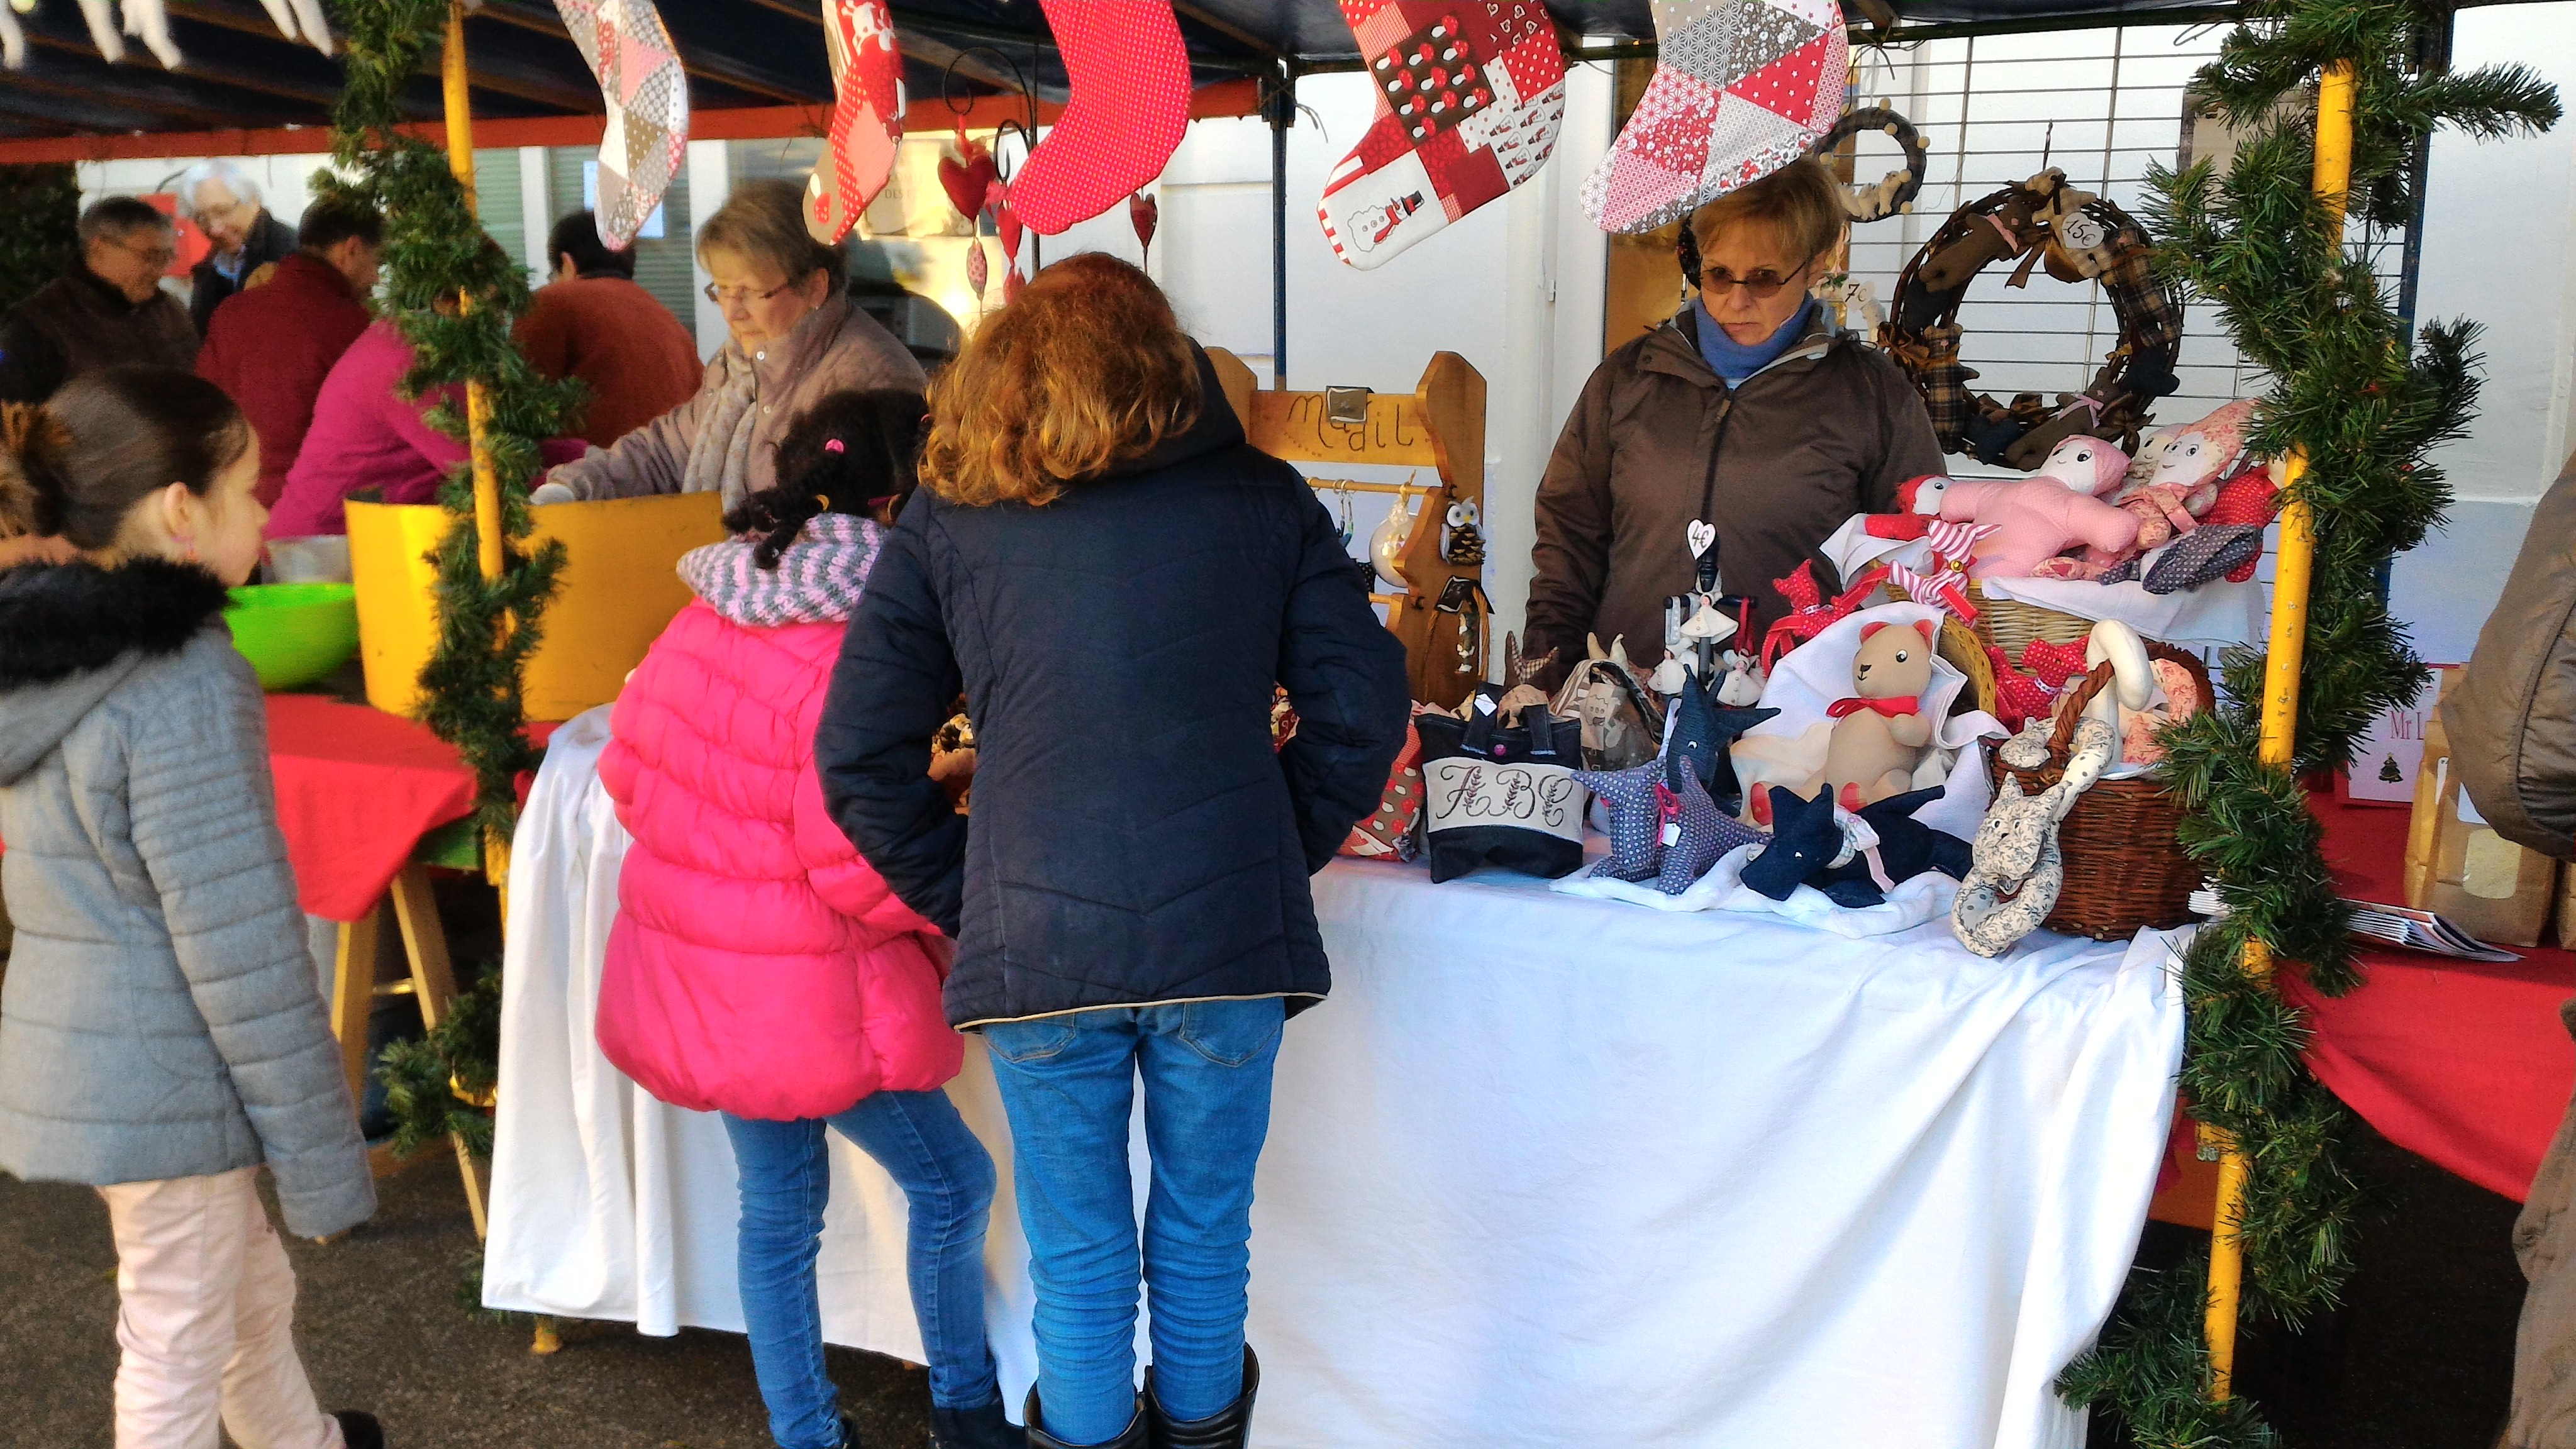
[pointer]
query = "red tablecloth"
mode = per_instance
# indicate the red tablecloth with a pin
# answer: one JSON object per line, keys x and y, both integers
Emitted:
{"x": 356, "y": 790}
{"x": 2458, "y": 1061}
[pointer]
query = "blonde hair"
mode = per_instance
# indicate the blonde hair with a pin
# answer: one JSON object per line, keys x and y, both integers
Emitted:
{"x": 764, "y": 221}
{"x": 1088, "y": 369}
{"x": 1801, "y": 203}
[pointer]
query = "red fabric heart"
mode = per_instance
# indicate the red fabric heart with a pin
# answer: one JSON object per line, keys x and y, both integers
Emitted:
{"x": 1145, "y": 212}
{"x": 1006, "y": 222}
{"x": 967, "y": 182}
{"x": 1013, "y": 283}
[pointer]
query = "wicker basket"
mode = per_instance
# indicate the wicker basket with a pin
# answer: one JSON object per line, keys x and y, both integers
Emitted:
{"x": 2125, "y": 866}
{"x": 1967, "y": 654}
{"x": 2010, "y": 624}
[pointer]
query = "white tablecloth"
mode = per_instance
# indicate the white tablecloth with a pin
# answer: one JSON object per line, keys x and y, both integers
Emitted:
{"x": 1544, "y": 1171}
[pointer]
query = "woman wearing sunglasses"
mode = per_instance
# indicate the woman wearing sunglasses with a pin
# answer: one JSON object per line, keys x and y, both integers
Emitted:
{"x": 796, "y": 336}
{"x": 1748, "y": 408}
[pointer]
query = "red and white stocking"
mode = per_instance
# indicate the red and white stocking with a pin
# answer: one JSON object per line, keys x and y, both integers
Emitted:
{"x": 1469, "y": 97}
{"x": 1130, "y": 76}
{"x": 639, "y": 76}
{"x": 1741, "y": 89}
{"x": 867, "y": 116}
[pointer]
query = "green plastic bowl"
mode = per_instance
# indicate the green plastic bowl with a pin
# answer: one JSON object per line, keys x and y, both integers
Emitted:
{"x": 294, "y": 634}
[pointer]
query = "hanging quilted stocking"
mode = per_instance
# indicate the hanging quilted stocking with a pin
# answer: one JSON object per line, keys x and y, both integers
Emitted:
{"x": 1469, "y": 97}
{"x": 639, "y": 75}
{"x": 1130, "y": 76}
{"x": 867, "y": 116}
{"x": 1741, "y": 89}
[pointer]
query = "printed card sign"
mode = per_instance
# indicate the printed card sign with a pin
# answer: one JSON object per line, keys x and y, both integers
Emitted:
{"x": 1462, "y": 792}
{"x": 2385, "y": 759}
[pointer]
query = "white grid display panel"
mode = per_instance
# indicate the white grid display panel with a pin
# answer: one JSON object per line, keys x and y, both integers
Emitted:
{"x": 2101, "y": 104}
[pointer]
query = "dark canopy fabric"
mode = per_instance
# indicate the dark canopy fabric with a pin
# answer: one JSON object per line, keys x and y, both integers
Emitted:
{"x": 739, "y": 53}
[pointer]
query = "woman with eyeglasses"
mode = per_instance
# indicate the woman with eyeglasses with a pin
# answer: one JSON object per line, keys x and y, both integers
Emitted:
{"x": 796, "y": 336}
{"x": 1748, "y": 409}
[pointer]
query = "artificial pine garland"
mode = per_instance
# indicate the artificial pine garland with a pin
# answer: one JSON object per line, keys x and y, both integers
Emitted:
{"x": 435, "y": 252}
{"x": 2365, "y": 409}
{"x": 39, "y": 216}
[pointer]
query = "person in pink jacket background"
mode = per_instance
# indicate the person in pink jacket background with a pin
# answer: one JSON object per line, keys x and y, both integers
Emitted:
{"x": 758, "y": 967}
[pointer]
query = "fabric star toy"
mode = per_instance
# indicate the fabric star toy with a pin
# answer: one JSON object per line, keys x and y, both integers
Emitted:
{"x": 639, "y": 74}
{"x": 1470, "y": 94}
{"x": 1741, "y": 89}
{"x": 1130, "y": 75}
{"x": 1701, "y": 732}
{"x": 1636, "y": 849}
{"x": 867, "y": 116}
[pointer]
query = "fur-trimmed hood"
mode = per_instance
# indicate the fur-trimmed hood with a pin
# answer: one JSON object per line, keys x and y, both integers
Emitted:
{"x": 69, "y": 633}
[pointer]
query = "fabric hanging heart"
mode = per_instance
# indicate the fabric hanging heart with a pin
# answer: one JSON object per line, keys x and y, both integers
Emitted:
{"x": 977, "y": 269}
{"x": 1144, "y": 213}
{"x": 969, "y": 175}
{"x": 1470, "y": 95}
{"x": 630, "y": 54}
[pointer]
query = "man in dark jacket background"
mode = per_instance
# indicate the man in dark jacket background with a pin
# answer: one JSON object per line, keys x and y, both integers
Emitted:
{"x": 225, "y": 203}
{"x": 271, "y": 345}
{"x": 107, "y": 311}
{"x": 592, "y": 322}
{"x": 2511, "y": 719}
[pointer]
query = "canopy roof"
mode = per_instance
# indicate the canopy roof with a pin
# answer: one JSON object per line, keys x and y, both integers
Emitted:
{"x": 748, "y": 54}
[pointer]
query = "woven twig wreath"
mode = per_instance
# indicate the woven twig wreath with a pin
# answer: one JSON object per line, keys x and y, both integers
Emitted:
{"x": 1892, "y": 193}
{"x": 2078, "y": 235}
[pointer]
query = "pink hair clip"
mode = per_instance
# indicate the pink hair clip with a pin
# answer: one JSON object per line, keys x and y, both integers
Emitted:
{"x": 831, "y": 445}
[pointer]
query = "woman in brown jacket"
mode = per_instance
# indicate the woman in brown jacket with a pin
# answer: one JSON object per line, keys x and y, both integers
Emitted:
{"x": 1748, "y": 409}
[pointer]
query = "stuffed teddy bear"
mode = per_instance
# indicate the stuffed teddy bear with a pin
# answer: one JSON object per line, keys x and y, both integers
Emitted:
{"x": 1879, "y": 732}
{"x": 2039, "y": 517}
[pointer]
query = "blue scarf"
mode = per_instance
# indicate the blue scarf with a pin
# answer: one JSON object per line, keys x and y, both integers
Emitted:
{"x": 1735, "y": 361}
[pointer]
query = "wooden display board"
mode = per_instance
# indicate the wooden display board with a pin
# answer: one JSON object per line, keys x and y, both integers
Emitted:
{"x": 1439, "y": 425}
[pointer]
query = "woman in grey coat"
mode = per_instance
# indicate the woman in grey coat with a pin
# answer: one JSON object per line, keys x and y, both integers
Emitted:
{"x": 161, "y": 1032}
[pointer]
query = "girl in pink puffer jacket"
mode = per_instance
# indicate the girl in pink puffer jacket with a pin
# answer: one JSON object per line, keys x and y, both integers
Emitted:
{"x": 758, "y": 967}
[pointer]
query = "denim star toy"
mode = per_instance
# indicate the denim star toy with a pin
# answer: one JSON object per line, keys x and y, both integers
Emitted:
{"x": 1701, "y": 733}
{"x": 1694, "y": 831}
{"x": 1636, "y": 852}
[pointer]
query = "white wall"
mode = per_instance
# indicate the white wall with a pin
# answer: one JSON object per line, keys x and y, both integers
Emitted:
{"x": 2499, "y": 247}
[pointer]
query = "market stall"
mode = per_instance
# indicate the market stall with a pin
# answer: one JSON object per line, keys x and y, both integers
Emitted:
{"x": 1543, "y": 1170}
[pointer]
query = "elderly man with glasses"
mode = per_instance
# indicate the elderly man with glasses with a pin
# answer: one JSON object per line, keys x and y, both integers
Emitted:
{"x": 107, "y": 311}
{"x": 225, "y": 204}
{"x": 1749, "y": 410}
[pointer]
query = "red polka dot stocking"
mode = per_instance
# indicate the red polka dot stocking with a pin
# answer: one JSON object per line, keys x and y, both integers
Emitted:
{"x": 1741, "y": 88}
{"x": 639, "y": 76}
{"x": 867, "y": 116}
{"x": 1130, "y": 75}
{"x": 1469, "y": 97}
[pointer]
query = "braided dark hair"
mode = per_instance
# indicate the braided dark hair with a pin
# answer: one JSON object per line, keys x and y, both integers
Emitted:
{"x": 850, "y": 452}
{"x": 1686, "y": 251}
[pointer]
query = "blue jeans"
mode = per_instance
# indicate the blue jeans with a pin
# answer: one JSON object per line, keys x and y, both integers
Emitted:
{"x": 1068, "y": 1083}
{"x": 947, "y": 1179}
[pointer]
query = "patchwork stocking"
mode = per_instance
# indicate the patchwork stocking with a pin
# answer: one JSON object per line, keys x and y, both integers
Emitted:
{"x": 626, "y": 48}
{"x": 1741, "y": 88}
{"x": 867, "y": 116}
{"x": 1470, "y": 94}
{"x": 1130, "y": 74}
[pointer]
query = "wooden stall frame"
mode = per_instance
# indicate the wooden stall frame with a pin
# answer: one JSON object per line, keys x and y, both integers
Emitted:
{"x": 1439, "y": 425}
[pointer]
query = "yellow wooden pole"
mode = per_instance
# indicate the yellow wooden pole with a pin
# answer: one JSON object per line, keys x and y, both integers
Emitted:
{"x": 455, "y": 83}
{"x": 2291, "y": 572}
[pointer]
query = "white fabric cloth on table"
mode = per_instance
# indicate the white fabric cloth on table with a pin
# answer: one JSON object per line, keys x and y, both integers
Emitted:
{"x": 1545, "y": 1171}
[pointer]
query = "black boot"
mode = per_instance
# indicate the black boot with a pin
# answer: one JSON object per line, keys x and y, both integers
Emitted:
{"x": 978, "y": 1428}
{"x": 1132, "y": 1437}
{"x": 361, "y": 1430}
{"x": 1227, "y": 1430}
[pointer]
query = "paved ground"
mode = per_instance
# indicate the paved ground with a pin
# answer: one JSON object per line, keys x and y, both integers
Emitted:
{"x": 383, "y": 1323}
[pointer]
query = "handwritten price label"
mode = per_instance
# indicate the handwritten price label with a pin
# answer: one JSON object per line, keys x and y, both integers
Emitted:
{"x": 1462, "y": 792}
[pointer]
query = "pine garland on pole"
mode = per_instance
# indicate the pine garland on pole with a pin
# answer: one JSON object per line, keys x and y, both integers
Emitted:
{"x": 454, "y": 293}
{"x": 2359, "y": 411}
{"x": 39, "y": 213}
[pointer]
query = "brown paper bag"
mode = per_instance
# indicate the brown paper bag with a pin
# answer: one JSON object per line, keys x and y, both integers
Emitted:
{"x": 2456, "y": 867}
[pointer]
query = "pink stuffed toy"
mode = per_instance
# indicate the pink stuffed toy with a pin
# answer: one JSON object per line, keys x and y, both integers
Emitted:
{"x": 2191, "y": 462}
{"x": 2042, "y": 516}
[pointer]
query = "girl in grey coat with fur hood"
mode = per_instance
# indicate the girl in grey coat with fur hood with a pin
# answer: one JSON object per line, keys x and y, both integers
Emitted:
{"x": 161, "y": 1032}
